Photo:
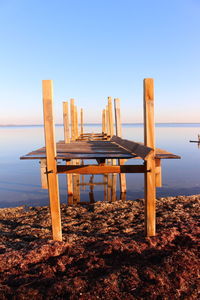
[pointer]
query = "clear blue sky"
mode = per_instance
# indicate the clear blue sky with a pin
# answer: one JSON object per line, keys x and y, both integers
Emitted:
{"x": 92, "y": 49}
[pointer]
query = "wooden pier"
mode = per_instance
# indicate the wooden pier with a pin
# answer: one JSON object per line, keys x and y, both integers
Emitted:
{"x": 107, "y": 148}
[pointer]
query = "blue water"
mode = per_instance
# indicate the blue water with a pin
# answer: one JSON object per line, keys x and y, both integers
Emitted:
{"x": 20, "y": 179}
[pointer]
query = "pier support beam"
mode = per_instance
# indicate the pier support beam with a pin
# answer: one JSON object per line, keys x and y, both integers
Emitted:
{"x": 43, "y": 173}
{"x": 51, "y": 159}
{"x": 110, "y": 116}
{"x": 122, "y": 176}
{"x": 81, "y": 121}
{"x": 72, "y": 117}
{"x": 149, "y": 141}
{"x": 104, "y": 121}
{"x": 67, "y": 140}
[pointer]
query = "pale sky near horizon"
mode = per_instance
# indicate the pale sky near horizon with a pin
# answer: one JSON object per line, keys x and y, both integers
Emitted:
{"x": 93, "y": 49}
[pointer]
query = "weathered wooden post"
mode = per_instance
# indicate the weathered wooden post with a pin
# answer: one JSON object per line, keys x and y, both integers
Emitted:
{"x": 158, "y": 172}
{"x": 107, "y": 121}
{"x": 43, "y": 173}
{"x": 66, "y": 122}
{"x": 104, "y": 121}
{"x": 149, "y": 141}
{"x": 67, "y": 140}
{"x": 72, "y": 109}
{"x": 81, "y": 121}
{"x": 118, "y": 126}
{"x": 51, "y": 159}
{"x": 110, "y": 115}
{"x": 76, "y": 122}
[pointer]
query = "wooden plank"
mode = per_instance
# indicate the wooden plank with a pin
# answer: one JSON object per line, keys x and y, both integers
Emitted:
{"x": 97, "y": 169}
{"x": 94, "y": 183}
{"x": 158, "y": 173}
{"x": 110, "y": 116}
{"x": 72, "y": 115}
{"x": 43, "y": 173}
{"x": 81, "y": 121}
{"x": 51, "y": 161}
{"x": 133, "y": 147}
{"x": 66, "y": 122}
{"x": 149, "y": 141}
{"x": 118, "y": 126}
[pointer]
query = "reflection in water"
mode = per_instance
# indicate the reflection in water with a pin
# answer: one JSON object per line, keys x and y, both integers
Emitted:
{"x": 109, "y": 183}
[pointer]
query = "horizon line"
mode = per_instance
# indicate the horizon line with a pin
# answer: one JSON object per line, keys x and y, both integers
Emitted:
{"x": 61, "y": 124}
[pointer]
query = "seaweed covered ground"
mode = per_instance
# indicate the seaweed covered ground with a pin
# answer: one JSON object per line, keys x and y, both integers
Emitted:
{"x": 104, "y": 254}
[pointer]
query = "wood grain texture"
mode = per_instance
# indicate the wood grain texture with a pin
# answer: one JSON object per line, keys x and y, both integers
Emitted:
{"x": 104, "y": 121}
{"x": 110, "y": 115}
{"x": 158, "y": 173}
{"x": 149, "y": 141}
{"x": 66, "y": 122}
{"x": 51, "y": 159}
{"x": 133, "y": 147}
{"x": 107, "y": 121}
{"x": 43, "y": 173}
{"x": 76, "y": 122}
{"x": 81, "y": 121}
{"x": 72, "y": 117}
{"x": 94, "y": 169}
{"x": 118, "y": 126}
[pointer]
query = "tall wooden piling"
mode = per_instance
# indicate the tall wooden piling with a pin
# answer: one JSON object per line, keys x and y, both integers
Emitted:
{"x": 110, "y": 116}
{"x": 43, "y": 173}
{"x": 149, "y": 141}
{"x": 81, "y": 121}
{"x": 66, "y": 122}
{"x": 51, "y": 161}
{"x": 72, "y": 117}
{"x": 104, "y": 121}
{"x": 107, "y": 121}
{"x": 76, "y": 123}
{"x": 67, "y": 140}
{"x": 118, "y": 126}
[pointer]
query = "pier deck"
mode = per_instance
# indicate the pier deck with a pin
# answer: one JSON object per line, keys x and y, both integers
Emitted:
{"x": 95, "y": 150}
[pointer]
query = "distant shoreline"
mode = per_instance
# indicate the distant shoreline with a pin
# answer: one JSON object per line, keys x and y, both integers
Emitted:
{"x": 99, "y": 124}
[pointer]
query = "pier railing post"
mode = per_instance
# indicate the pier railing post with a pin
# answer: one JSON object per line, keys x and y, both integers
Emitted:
{"x": 53, "y": 186}
{"x": 149, "y": 141}
{"x": 118, "y": 126}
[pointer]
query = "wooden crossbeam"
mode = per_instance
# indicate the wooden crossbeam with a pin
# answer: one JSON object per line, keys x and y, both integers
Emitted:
{"x": 94, "y": 169}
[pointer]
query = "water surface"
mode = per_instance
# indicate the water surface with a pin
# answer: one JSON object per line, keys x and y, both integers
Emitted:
{"x": 20, "y": 180}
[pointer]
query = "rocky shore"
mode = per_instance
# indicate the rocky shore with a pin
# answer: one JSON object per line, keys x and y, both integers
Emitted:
{"x": 104, "y": 254}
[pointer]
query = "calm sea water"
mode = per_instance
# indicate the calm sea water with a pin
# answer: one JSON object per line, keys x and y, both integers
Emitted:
{"x": 20, "y": 180}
